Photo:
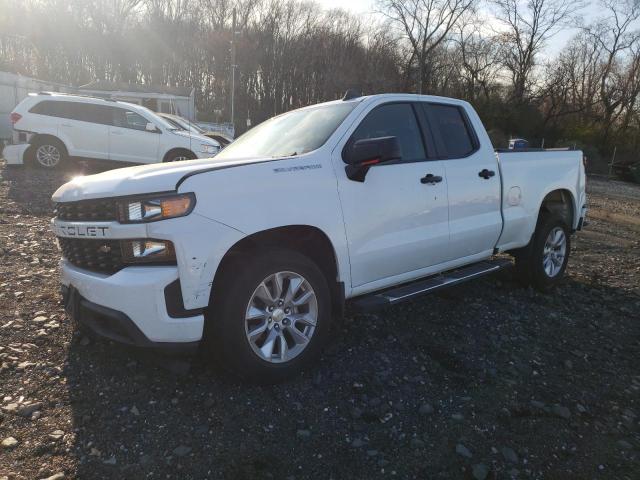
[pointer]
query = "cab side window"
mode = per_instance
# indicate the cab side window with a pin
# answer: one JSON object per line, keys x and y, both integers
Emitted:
{"x": 455, "y": 135}
{"x": 393, "y": 120}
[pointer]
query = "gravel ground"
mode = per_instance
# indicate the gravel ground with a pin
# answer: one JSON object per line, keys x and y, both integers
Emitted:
{"x": 488, "y": 380}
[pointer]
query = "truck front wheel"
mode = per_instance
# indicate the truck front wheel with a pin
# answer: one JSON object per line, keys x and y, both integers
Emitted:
{"x": 269, "y": 316}
{"x": 543, "y": 262}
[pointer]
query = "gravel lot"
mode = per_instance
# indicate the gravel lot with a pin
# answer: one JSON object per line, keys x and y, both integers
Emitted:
{"x": 488, "y": 380}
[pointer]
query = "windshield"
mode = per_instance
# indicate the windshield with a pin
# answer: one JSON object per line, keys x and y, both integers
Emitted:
{"x": 174, "y": 123}
{"x": 155, "y": 118}
{"x": 184, "y": 124}
{"x": 293, "y": 133}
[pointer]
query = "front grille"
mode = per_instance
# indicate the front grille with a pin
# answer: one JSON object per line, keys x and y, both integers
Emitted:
{"x": 93, "y": 254}
{"x": 100, "y": 210}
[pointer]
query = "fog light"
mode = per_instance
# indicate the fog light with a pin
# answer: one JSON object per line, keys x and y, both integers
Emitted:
{"x": 148, "y": 250}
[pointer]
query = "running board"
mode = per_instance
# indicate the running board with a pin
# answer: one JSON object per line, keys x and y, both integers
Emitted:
{"x": 427, "y": 285}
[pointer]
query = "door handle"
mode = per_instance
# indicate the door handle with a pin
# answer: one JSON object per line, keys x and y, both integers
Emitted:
{"x": 430, "y": 179}
{"x": 117, "y": 132}
{"x": 486, "y": 174}
{"x": 66, "y": 125}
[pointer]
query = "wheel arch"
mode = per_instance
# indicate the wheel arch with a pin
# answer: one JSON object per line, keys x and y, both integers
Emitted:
{"x": 38, "y": 138}
{"x": 559, "y": 201}
{"x": 308, "y": 240}
{"x": 178, "y": 150}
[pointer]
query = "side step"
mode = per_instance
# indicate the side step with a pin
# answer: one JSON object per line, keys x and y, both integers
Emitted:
{"x": 412, "y": 290}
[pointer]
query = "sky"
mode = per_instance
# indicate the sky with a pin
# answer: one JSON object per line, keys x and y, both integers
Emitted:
{"x": 555, "y": 44}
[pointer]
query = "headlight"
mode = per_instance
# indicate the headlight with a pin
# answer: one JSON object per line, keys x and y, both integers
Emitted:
{"x": 204, "y": 148}
{"x": 148, "y": 251}
{"x": 154, "y": 208}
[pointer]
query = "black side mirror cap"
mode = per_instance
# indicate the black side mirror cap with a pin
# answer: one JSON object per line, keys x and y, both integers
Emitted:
{"x": 363, "y": 154}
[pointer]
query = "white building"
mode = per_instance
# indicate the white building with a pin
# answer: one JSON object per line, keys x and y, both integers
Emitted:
{"x": 174, "y": 100}
{"x": 13, "y": 89}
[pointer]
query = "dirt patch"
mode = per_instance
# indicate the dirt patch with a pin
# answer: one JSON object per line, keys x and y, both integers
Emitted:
{"x": 488, "y": 380}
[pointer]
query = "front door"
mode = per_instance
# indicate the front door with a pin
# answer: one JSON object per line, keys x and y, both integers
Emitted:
{"x": 395, "y": 222}
{"x": 129, "y": 141}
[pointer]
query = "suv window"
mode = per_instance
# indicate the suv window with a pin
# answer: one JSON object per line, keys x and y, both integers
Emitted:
{"x": 51, "y": 108}
{"x": 394, "y": 120}
{"x": 85, "y": 112}
{"x": 452, "y": 128}
{"x": 88, "y": 112}
{"x": 128, "y": 119}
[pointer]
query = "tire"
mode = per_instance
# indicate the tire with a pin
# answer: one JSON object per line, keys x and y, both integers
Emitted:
{"x": 179, "y": 155}
{"x": 238, "y": 295}
{"x": 543, "y": 262}
{"x": 49, "y": 153}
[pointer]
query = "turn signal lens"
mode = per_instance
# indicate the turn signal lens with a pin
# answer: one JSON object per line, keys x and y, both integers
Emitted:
{"x": 151, "y": 209}
{"x": 175, "y": 206}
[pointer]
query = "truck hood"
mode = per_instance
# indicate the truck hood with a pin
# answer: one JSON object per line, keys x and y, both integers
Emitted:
{"x": 160, "y": 177}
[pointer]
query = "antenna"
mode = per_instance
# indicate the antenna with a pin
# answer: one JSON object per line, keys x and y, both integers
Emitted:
{"x": 352, "y": 93}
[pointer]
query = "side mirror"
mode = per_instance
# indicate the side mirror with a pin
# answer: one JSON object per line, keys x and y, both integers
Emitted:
{"x": 363, "y": 154}
{"x": 150, "y": 127}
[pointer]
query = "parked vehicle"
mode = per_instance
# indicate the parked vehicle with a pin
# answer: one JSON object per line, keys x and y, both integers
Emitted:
{"x": 185, "y": 124}
{"x": 221, "y": 138}
{"x": 58, "y": 126}
{"x": 375, "y": 200}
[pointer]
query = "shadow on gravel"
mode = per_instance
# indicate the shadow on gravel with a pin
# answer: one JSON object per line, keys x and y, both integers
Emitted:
{"x": 484, "y": 374}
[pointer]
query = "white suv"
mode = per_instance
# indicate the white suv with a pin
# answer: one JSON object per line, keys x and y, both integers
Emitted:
{"x": 59, "y": 126}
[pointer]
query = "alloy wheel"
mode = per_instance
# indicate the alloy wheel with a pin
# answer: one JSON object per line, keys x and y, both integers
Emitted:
{"x": 48, "y": 155}
{"x": 281, "y": 317}
{"x": 555, "y": 251}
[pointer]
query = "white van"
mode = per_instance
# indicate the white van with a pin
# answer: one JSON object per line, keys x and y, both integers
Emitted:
{"x": 58, "y": 126}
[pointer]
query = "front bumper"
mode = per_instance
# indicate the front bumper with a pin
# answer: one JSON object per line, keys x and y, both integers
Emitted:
{"x": 131, "y": 306}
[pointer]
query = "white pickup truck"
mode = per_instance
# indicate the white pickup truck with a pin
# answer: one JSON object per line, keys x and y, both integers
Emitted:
{"x": 374, "y": 200}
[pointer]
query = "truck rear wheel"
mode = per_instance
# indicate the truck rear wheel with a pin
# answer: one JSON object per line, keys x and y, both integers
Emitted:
{"x": 269, "y": 316}
{"x": 543, "y": 262}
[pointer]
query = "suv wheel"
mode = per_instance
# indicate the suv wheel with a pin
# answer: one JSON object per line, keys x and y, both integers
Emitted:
{"x": 270, "y": 315}
{"x": 543, "y": 262}
{"x": 179, "y": 156}
{"x": 49, "y": 153}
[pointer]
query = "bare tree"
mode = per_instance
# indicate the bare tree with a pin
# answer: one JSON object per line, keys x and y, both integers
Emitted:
{"x": 478, "y": 56}
{"x": 616, "y": 35}
{"x": 425, "y": 24}
{"x": 526, "y": 27}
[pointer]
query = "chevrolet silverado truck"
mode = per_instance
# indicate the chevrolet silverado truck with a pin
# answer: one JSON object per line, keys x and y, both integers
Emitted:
{"x": 250, "y": 255}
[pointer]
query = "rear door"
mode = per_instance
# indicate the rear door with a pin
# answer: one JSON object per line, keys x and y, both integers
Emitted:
{"x": 396, "y": 223}
{"x": 129, "y": 141}
{"x": 473, "y": 181}
{"x": 86, "y": 127}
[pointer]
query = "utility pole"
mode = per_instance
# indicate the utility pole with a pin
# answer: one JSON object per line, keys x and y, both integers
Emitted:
{"x": 233, "y": 67}
{"x": 613, "y": 160}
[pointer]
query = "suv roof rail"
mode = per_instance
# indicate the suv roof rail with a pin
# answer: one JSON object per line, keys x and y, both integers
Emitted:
{"x": 62, "y": 94}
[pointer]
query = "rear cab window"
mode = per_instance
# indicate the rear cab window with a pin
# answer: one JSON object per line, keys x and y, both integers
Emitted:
{"x": 452, "y": 131}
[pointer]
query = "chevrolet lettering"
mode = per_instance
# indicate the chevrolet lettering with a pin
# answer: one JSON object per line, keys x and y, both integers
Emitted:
{"x": 89, "y": 231}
